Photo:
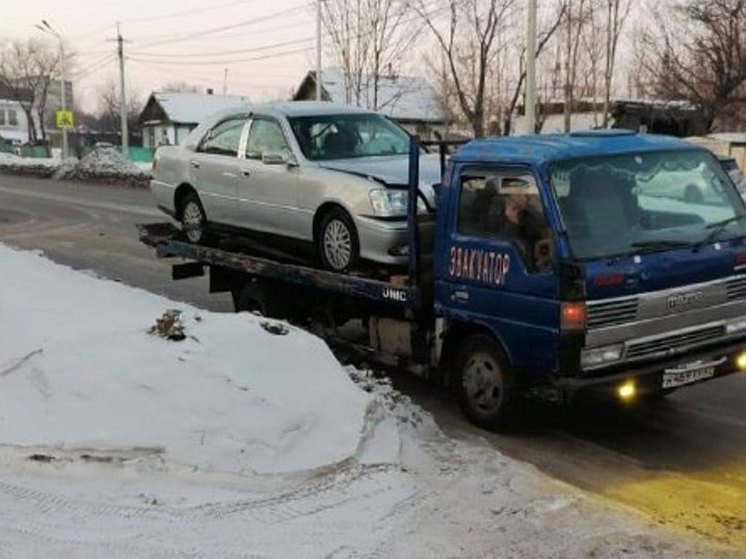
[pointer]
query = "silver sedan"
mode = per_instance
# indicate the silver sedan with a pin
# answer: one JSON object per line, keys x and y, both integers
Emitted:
{"x": 325, "y": 174}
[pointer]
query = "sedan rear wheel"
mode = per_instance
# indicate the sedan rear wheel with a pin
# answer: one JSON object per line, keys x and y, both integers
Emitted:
{"x": 339, "y": 248}
{"x": 193, "y": 219}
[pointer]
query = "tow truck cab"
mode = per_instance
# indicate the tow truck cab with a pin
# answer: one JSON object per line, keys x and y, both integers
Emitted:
{"x": 625, "y": 283}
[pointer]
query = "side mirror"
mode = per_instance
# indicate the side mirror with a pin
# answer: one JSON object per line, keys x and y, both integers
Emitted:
{"x": 278, "y": 158}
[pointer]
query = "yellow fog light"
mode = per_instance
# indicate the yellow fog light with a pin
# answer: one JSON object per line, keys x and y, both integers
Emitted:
{"x": 741, "y": 361}
{"x": 627, "y": 391}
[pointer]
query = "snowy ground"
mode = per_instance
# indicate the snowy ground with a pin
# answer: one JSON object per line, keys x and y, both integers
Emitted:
{"x": 102, "y": 164}
{"x": 245, "y": 438}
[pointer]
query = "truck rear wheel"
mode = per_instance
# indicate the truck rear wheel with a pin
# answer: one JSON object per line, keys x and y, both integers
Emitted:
{"x": 261, "y": 297}
{"x": 485, "y": 383}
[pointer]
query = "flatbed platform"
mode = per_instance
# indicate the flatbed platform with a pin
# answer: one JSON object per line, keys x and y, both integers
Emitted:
{"x": 168, "y": 242}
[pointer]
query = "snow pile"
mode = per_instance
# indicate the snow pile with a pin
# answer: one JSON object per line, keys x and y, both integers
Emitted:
{"x": 105, "y": 164}
{"x": 80, "y": 375}
{"x": 39, "y": 167}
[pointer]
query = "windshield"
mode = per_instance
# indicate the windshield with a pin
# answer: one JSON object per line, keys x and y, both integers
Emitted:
{"x": 345, "y": 136}
{"x": 616, "y": 205}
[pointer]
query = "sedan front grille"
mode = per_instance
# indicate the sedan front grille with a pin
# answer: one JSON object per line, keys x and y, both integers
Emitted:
{"x": 612, "y": 313}
{"x": 670, "y": 344}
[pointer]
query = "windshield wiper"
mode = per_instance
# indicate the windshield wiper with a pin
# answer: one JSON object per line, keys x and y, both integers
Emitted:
{"x": 717, "y": 228}
{"x": 661, "y": 244}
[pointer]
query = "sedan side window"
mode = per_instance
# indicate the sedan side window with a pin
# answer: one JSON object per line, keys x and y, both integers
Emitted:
{"x": 223, "y": 139}
{"x": 265, "y": 136}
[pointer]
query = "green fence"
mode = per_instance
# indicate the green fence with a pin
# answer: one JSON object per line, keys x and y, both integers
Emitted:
{"x": 140, "y": 154}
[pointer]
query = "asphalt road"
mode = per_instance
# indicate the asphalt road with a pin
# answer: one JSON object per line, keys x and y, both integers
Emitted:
{"x": 680, "y": 462}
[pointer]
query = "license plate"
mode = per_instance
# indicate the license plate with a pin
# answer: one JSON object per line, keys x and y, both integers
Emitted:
{"x": 672, "y": 379}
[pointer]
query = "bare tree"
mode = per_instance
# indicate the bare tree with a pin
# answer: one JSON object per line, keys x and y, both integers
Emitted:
{"x": 369, "y": 38}
{"x": 698, "y": 52}
{"x": 27, "y": 68}
{"x": 108, "y": 107}
{"x": 616, "y": 14}
{"x": 180, "y": 87}
{"x": 469, "y": 45}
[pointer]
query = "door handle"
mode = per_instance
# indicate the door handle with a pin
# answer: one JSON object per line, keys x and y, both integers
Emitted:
{"x": 194, "y": 164}
{"x": 460, "y": 296}
{"x": 246, "y": 173}
{"x": 229, "y": 175}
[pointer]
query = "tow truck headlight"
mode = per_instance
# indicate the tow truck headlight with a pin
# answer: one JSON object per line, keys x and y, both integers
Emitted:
{"x": 601, "y": 355}
{"x": 392, "y": 203}
{"x": 734, "y": 326}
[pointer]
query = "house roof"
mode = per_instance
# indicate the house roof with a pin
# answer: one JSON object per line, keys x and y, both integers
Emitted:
{"x": 188, "y": 108}
{"x": 403, "y": 98}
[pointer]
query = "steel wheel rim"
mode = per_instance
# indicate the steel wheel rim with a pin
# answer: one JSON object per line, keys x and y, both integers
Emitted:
{"x": 192, "y": 220}
{"x": 337, "y": 244}
{"x": 483, "y": 382}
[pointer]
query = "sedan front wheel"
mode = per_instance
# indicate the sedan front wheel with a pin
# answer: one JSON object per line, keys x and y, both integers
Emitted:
{"x": 339, "y": 247}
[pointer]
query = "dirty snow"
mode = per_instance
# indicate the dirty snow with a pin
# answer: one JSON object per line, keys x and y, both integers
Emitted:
{"x": 116, "y": 441}
{"x": 102, "y": 163}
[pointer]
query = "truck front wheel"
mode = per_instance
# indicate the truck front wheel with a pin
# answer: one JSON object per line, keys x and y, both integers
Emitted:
{"x": 485, "y": 383}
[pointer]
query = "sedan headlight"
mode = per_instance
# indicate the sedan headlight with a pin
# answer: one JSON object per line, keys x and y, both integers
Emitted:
{"x": 600, "y": 355}
{"x": 392, "y": 203}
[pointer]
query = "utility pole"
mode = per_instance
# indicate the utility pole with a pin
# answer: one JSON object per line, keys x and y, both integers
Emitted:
{"x": 225, "y": 82}
{"x": 530, "y": 100}
{"x": 318, "y": 50}
{"x": 46, "y": 28}
{"x": 123, "y": 98}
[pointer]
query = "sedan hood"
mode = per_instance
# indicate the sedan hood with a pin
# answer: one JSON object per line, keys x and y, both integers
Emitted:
{"x": 391, "y": 169}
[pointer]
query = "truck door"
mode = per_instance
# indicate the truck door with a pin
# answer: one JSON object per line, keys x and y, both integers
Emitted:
{"x": 495, "y": 266}
{"x": 268, "y": 189}
{"x": 213, "y": 169}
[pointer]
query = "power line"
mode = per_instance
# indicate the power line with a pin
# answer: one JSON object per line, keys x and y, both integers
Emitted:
{"x": 236, "y": 61}
{"x": 245, "y": 23}
{"x": 221, "y": 53}
{"x": 187, "y": 12}
{"x": 162, "y": 56}
{"x": 93, "y": 69}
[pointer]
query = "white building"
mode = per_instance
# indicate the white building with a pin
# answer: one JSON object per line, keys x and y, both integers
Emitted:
{"x": 409, "y": 100}
{"x": 169, "y": 117}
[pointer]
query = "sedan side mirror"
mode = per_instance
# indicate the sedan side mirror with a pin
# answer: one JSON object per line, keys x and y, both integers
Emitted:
{"x": 278, "y": 158}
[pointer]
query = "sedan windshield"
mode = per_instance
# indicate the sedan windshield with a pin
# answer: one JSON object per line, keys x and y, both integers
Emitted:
{"x": 625, "y": 204}
{"x": 325, "y": 137}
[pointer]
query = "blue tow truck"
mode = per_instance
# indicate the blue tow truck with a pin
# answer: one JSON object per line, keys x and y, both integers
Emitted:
{"x": 560, "y": 265}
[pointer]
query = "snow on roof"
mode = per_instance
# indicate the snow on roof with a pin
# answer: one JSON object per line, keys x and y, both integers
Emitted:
{"x": 729, "y": 137}
{"x": 399, "y": 97}
{"x": 195, "y": 107}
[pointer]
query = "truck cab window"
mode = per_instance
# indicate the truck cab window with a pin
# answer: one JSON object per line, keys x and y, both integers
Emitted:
{"x": 506, "y": 207}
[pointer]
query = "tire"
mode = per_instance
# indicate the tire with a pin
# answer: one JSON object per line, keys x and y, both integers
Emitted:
{"x": 193, "y": 219}
{"x": 485, "y": 383}
{"x": 693, "y": 195}
{"x": 256, "y": 296}
{"x": 338, "y": 243}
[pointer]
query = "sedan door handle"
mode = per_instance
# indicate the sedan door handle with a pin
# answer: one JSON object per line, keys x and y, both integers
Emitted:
{"x": 194, "y": 164}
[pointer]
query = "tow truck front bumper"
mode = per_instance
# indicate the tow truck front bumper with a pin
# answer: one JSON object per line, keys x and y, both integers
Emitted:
{"x": 648, "y": 378}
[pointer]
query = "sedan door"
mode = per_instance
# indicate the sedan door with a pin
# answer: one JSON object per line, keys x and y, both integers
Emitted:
{"x": 214, "y": 169}
{"x": 268, "y": 185}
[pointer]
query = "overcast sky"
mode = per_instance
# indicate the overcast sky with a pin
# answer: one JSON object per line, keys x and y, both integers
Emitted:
{"x": 266, "y": 45}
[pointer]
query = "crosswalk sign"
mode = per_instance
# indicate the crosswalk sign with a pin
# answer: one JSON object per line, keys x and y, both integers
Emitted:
{"x": 64, "y": 119}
